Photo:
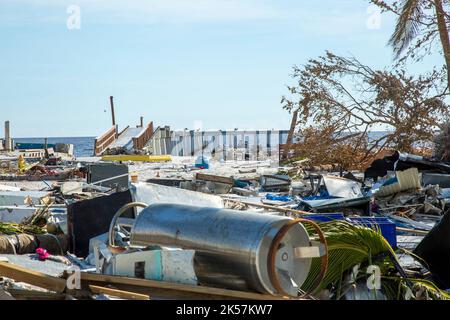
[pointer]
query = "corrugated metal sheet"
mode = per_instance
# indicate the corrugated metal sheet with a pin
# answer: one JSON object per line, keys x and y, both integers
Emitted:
{"x": 406, "y": 180}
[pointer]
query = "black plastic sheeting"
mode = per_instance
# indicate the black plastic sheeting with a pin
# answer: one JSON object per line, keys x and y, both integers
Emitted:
{"x": 90, "y": 218}
{"x": 435, "y": 250}
{"x": 402, "y": 161}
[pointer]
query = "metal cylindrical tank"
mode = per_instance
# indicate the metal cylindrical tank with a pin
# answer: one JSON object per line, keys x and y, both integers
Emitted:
{"x": 233, "y": 248}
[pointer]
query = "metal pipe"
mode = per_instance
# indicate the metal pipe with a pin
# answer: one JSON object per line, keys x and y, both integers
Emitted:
{"x": 117, "y": 215}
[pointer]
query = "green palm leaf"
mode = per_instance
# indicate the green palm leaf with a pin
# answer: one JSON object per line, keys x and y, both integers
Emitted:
{"x": 352, "y": 244}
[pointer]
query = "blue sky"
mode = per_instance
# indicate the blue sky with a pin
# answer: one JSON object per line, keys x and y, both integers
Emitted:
{"x": 222, "y": 63}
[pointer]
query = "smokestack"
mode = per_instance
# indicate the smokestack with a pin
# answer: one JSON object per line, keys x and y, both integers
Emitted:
{"x": 142, "y": 121}
{"x": 8, "y": 144}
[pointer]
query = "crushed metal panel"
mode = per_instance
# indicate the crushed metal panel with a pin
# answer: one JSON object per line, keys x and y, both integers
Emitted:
{"x": 406, "y": 180}
{"x": 401, "y": 161}
{"x": 441, "y": 179}
{"x": 275, "y": 182}
{"x": 336, "y": 204}
{"x": 341, "y": 187}
{"x": 153, "y": 193}
{"x": 445, "y": 193}
{"x": 12, "y": 198}
{"x": 15, "y": 214}
{"x": 406, "y": 160}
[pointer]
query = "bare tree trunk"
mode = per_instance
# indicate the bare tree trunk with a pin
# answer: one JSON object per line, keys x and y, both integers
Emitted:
{"x": 288, "y": 144}
{"x": 443, "y": 33}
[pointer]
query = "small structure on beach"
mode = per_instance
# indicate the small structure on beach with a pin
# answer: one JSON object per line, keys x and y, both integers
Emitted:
{"x": 129, "y": 140}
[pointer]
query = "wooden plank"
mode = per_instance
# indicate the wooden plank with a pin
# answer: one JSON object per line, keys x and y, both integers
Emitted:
{"x": 24, "y": 294}
{"x": 102, "y": 142}
{"x": 21, "y": 274}
{"x": 162, "y": 293}
{"x": 214, "y": 178}
{"x": 413, "y": 231}
{"x": 119, "y": 293}
{"x": 101, "y": 278}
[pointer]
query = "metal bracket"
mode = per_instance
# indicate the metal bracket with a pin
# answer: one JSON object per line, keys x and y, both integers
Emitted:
{"x": 316, "y": 250}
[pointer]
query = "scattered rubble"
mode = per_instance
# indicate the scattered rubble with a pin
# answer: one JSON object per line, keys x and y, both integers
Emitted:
{"x": 177, "y": 229}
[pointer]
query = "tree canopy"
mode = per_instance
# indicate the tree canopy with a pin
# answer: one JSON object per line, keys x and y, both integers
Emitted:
{"x": 340, "y": 100}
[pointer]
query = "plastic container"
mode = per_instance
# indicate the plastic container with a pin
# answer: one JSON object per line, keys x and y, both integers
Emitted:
{"x": 324, "y": 217}
{"x": 134, "y": 177}
{"x": 202, "y": 162}
{"x": 387, "y": 227}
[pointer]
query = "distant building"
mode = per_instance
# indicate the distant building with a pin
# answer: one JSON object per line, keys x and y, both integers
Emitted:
{"x": 220, "y": 144}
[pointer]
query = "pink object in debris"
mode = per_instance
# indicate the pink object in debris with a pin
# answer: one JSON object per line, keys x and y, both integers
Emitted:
{"x": 42, "y": 253}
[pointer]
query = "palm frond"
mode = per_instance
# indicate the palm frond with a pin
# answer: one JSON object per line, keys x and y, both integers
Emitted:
{"x": 352, "y": 244}
{"x": 423, "y": 289}
{"x": 407, "y": 26}
{"x": 9, "y": 228}
{"x": 348, "y": 245}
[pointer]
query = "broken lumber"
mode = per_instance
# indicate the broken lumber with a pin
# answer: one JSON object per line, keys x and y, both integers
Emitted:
{"x": 208, "y": 292}
{"x": 214, "y": 178}
{"x": 421, "y": 232}
{"x": 118, "y": 293}
{"x": 38, "y": 279}
{"x": 25, "y": 294}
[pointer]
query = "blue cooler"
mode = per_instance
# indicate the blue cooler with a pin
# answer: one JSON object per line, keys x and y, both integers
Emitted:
{"x": 324, "y": 217}
{"x": 386, "y": 226}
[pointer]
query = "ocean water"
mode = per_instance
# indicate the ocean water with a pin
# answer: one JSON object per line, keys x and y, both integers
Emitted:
{"x": 83, "y": 146}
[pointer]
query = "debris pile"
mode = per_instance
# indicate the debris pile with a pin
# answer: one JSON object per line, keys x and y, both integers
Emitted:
{"x": 180, "y": 228}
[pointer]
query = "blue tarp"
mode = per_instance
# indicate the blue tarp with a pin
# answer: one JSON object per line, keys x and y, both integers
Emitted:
{"x": 24, "y": 146}
{"x": 276, "y": 197}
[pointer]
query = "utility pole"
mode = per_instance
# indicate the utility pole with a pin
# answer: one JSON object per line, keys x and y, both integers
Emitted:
{"x": 112, "y": 111}
{"x": 46, "y": 148}
{"x": 8, "y": 144}
{"x": 111, "y": 101}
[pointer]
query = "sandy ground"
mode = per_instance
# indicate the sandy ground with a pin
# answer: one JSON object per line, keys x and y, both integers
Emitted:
{"x": 182, "y": 168}
{"x": 178, "y": 168}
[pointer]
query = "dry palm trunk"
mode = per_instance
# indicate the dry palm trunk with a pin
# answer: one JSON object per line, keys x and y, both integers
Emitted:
{"x": 443, "y": 33}
{"x": 290, "y": 135}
